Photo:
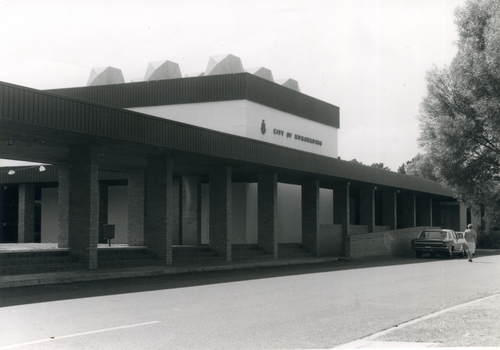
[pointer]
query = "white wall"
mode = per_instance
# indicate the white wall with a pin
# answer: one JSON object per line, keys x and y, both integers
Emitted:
{"x": 244, "y": 118}
{"x": 118, "y": 213}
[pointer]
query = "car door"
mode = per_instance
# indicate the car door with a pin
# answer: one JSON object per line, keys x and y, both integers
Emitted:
{"x": 456, "y": 245}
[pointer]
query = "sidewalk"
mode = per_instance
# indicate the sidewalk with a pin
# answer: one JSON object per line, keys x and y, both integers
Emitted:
{"x": 471, "y": 324}
{"x": 106, "y": 274}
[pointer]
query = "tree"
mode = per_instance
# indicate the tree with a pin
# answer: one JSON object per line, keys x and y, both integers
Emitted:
{"x": 380, "y": 166}
{"x": 402, "y": 169}
{"x": 460, "y": 116}
{"x": 374, "y": 165}
{"x": 356, "y": 161}
{"x": 421, "y": 166}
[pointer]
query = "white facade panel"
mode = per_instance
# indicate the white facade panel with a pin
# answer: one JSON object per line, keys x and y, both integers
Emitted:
{"x": 252, "y": 120}
{"x": 118, "y": 213}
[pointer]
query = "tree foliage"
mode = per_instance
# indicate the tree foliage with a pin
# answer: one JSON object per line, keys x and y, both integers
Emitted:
{"x": 421, "y": 166}
{"x": 374, "y": 165}
{"x": 460, "y": 116}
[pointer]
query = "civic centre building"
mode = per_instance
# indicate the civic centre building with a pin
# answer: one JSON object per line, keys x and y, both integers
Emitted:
{"x": 222, "y": 160}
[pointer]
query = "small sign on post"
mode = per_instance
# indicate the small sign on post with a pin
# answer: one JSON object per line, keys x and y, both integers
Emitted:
{"x": 108, "y": 232}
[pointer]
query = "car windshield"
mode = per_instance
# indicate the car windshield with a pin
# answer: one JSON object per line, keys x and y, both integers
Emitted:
{"x": 432, "y": 234}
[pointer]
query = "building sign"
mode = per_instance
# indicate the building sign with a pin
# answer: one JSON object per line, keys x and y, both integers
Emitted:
{"x": 291, "y": 135}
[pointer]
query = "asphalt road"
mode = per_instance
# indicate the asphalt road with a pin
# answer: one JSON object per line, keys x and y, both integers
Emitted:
{"x": 301, "y": 307}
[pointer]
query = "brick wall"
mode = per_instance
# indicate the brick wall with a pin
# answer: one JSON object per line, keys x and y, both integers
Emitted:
{"x": 26, "y": 213}
{"x": 330, "y": 240}
{"x": 135, "y": 195}
{"x": 387, "y": 243}
{"x": 220, "y": 211}
{"x": 84, "y": 204}
{"x": 310, "y": 215}
{"x": 63, "y": 205}
{"x": 159, "y": 205}
{"x": 190, "y": 226}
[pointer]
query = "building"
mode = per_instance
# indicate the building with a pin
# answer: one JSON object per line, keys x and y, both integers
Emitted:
{"x": 219, "y": 159}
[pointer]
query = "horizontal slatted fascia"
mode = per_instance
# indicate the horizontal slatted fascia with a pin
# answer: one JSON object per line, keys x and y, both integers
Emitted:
{"x": 28, "y": 174}
{"x": 33, "y": 175}
{"x": 241, "y": 86}
{"x": 108, "y": 122}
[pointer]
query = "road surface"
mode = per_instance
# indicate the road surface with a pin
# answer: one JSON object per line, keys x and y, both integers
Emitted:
{"x": 308, "y": 308}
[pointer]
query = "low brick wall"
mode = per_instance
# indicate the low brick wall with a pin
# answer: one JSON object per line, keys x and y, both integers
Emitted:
{"x": 387, "y": 243}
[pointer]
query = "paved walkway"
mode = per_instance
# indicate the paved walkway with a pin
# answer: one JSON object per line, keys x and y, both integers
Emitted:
{"x": 114, "y": 273}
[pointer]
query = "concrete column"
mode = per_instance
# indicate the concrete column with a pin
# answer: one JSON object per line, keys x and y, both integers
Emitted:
{"x": 136, "y": 205}
{"x": 424, "y": 211}
{"x": 341, "y": 213}
{"x": 26, "y": 214}
{"x": 310, "y": 215}
{"x": 63, "y": 205}
{"x": 409, "y": 214}
{"x": 268, "y": 213}
{"x": 159, "y": 208}
{"x": 84, "y": 204}
{"x": 220, "y": 225}
{"x": 390, "y": 210}
{"x": 190, "y": 225}
{"x": 367, "y": 208}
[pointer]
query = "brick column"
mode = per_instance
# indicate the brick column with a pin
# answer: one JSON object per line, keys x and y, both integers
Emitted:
{"x": 135, "y": 199}
{"x": 159, "y": 205}
{"x": 63, "y": 205}
{"x": 26, "y": 214}
{"x": 103, "y": 209}
{"x": 175, "y": 218}
{"x": 84, "y": 204}
{"x": 390, "y": 210}
{"x": 367, "y": 208}
{"x": 267, "y": 213}
{"x": 409, "y": 217}
{"x": 190, "y": 225}
{"x": 341, "y": 213}
{"x": 310, "y": 215}
{"x": 220, "y": 211}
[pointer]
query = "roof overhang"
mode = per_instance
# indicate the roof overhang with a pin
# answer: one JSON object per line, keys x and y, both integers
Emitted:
{"x": 42, "y": 126}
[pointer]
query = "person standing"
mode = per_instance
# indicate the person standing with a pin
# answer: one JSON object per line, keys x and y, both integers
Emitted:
{"x": 470, "y": 240}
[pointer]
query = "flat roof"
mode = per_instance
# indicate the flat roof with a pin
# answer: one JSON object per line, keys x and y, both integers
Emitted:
{"x": 214, "y": 88}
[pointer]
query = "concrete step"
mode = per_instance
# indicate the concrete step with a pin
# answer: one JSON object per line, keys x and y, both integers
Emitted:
{"x": 292, "y": 251}
{"x": 194, "y": 255}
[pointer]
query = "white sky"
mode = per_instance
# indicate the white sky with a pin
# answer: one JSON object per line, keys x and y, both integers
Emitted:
{"x": 367, "y": 57}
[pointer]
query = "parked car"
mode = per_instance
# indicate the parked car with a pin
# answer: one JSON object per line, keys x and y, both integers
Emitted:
{"x": 443, "y": 242}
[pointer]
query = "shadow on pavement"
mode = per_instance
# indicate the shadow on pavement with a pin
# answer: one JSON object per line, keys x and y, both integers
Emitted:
{"x": 53, "y": 292}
